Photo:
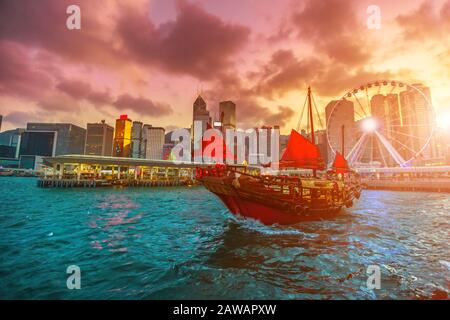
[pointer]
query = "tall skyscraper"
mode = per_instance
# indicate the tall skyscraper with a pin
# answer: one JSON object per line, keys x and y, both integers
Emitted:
{"x": 386, "y": 110}
{"x": 99, "y": 139}
{"x": 70, "y": 138}
{"x": 417, "y": 120}
{"x": 136, "y": 140}
{"x": 154, "y": 137}
{"x": 227, "y": 115}
{"x": 342, "y": 114}
{"x": 1, "y": 119}
{"x": 122, "y": 137}
{"x": 200, "y": 113}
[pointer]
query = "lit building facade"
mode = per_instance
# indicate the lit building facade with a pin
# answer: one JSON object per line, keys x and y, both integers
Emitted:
{"x": 99, "y": 139}
{"x": 122, "y": 137}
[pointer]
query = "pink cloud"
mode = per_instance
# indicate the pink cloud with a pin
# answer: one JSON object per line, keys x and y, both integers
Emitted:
{"x": 195, "y": 43}
{"x": 142, "y": 106}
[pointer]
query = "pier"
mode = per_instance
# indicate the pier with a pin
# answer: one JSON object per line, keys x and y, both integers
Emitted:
{"x": 429, "y": 179}
{"x": 83, "y": 171}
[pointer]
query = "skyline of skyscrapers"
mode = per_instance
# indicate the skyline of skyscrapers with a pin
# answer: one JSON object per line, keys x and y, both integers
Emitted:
{"x": 402, "y": 117}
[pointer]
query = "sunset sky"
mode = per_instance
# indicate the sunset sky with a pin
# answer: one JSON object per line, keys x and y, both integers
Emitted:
{"x": 150, "y": 59}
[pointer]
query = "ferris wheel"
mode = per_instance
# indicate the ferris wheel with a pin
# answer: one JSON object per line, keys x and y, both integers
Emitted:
{"x": 382, "y": 124}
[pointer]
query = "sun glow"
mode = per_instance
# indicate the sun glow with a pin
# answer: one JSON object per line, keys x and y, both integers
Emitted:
{"x": 443, "y": 120}
{"x": 369, "y": 125}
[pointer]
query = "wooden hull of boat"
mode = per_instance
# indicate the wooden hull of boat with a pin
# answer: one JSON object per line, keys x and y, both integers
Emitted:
{"x": 264, "y": 210}
{"x": 270, "y": 215}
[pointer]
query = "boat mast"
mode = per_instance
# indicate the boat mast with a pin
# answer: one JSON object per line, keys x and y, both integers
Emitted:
{"x": 311, "y": 120}
{"x": 342, "y": 141}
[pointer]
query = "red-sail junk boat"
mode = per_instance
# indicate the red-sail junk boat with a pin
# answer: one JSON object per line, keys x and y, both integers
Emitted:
{"x": 286, "y": 198}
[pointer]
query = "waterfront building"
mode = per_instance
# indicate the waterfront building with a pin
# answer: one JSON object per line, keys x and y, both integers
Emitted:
{"x": 7, "y": 151}
{"x": 386, "y": 110}
{"x": 154, "y": 138}
{"x": 70, "y": 139}
{"x": 122, "y": 137}
{"x": 145, "y": 133}
{"x": 227, "y": 115}
{"x": 137, "y": 148}
{"x": 11, "y": 138}
{"x": 417, "y": 119}
{"x": 31, "y": 162}
{"x": 1, "y": 120}
{"x": 38, "y": 143}
{"x": 342, "y": 112}
{"x": 99, "y": 139}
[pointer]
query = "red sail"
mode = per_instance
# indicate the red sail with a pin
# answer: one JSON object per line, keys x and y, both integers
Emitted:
{"x": 340, "y": 165}
{"x": 301, "y": 153}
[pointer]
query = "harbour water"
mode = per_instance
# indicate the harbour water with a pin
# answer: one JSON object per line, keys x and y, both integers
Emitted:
{"x": 181, "y": 243}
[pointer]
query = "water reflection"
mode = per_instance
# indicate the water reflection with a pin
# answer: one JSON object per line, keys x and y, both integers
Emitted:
{"x": 113, "y": 223}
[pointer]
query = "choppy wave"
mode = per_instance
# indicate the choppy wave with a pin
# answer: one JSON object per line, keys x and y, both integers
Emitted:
{"x": 160, "y": 243}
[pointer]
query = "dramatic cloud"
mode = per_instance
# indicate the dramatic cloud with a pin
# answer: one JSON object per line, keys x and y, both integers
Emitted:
{"x": 18, "y": 76}
{"x": 250, "y": 111}
{"x": 42, "y": 24}
{"x": 74, "y": 88}
{"x": 195, "y": 43}
{"x": 284, "y": 72}
{"x": 82, "y": 90}
{"x": 144, "y": 57}
{"x": 332, "y": 28}
{"x": 143, "y": 106}
{"x": 425, "y": 23}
